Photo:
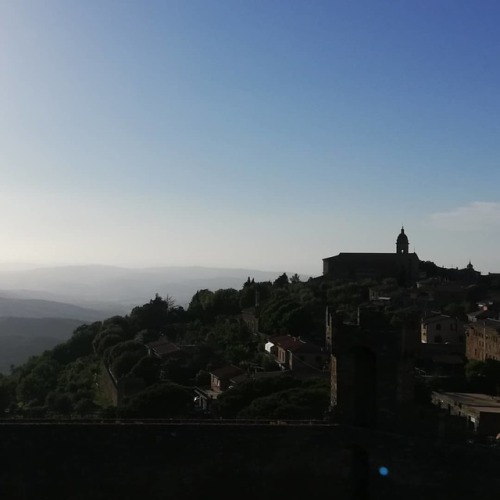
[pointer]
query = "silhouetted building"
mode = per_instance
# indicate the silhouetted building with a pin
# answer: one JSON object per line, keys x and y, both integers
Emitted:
{"x": 371, "y": 372}
{"x": 441, "y": 328}
{"x": 403, "y": 266}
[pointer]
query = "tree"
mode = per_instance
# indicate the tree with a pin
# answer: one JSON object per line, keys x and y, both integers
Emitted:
{"x": 108, "y": 342}
{"x": 226, "y": 302}
{"x": 7, "y": 393}
{"x": 295, "y": 403}
{"x": 232, "y": 401}
{"x": 484, "y": 376}
{"x": 201, "y": 305}
{"x": 281, "y": 281}
{"x": 59, "y": 402}
{"x": 34, "y": 386}
{"x": 153, "y": 315}
{"x": 124, "y": 363}
{"x": 123, "y": 347}
{"x": 161, "y": 400}
{"x": 147, "y": 368}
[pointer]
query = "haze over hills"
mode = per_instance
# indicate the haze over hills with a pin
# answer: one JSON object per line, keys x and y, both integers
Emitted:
{"x": 21, "y": 338}
{"x": 100, "y": 287}
{"x": 40, "y": 307}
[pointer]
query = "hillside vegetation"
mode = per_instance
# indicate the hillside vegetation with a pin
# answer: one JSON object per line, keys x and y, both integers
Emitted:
{"x": 210, "y": 333}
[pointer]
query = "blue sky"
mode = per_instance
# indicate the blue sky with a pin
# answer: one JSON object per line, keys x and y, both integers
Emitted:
{"x": 249, "y": 133}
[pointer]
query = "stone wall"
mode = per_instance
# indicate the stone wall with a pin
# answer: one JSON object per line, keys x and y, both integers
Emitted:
{"x": 192, "y": 460}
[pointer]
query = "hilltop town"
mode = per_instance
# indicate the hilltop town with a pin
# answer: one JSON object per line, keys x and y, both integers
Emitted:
{"x": 328, "y": 349}
{"x": 379, "y": 343}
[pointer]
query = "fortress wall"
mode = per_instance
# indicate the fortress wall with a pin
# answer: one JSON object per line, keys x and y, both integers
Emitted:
{"x": 182, "y": 461}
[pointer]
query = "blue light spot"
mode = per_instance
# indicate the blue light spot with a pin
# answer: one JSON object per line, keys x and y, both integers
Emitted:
{"x": 383, "y": 471}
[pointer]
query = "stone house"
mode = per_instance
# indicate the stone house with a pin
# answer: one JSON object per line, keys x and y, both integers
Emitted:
{"x": 294, "y": 354}
{"x": 442, "y": 329}
{"x": 205, "y": 400}
{"x": 220, "y": 379}
{"x": 483, "y": 340}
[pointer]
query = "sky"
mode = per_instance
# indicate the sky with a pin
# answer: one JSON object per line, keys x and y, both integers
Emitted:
{"x": 254, "y": 134}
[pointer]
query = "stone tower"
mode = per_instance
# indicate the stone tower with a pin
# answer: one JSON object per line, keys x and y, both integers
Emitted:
{"x": 371, "y": 370}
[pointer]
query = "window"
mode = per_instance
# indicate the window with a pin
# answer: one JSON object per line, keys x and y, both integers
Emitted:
{"x": 438, "y": 339}
{"x": 438, "y": 326}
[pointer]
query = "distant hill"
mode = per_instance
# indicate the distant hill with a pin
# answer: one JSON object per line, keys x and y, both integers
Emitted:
{"x": 40, "y": 307}
{"x": 21, "y": 338}
{"x": 108, "y": 286}
{"x": 37, "y": 308}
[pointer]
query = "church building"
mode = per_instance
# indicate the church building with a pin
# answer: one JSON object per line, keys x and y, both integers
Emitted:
{"x": 401, "y": 265}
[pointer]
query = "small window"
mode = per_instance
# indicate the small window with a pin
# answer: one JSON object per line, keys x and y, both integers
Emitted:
{"x": 438, "y": 339}
{"x": 438, "y": 326}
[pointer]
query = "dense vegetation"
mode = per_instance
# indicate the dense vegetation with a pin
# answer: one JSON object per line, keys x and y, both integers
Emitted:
{"x": 211, "y": 333}
{"x": 68, "y": 378}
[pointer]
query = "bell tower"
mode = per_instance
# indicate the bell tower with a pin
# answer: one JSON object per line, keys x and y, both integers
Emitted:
{"x": 402, "y": 243}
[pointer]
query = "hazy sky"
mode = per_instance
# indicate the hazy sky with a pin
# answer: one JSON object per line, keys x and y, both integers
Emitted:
{"x": 263, "y": 134}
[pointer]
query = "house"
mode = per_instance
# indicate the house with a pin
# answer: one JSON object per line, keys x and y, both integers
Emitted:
{"x": 220, "y": 379}
{"x": 294, "y": 354}
{"x": 162, "y": 349}
{"x": 480, "y": 412}
{"x": 442, "y": 329}
{"x": 483, "y": 340}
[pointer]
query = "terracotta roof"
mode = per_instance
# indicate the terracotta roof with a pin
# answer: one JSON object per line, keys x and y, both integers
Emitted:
{"x": 238, "y": 379}
{"x": 227, "y": 372}
{"x": 162, "y": 347}
{"x": 294, "y": 344}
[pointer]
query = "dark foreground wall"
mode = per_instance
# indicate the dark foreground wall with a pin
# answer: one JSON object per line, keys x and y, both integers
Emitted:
{"x": 204, "y": 461}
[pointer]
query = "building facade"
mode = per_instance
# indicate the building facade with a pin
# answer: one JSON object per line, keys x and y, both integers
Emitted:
{"x": 483, "y": 340}
{"x": 442, "y": 329}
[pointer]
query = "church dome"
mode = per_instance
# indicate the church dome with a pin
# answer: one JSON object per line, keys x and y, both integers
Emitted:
{"x": 402, "y": 238}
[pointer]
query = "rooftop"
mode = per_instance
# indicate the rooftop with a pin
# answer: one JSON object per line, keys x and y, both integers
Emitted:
{"x": 162, "y": 347}
{"x": 481, "y": 403}
{"x": 294, "y": 344}
{"x": 434, "y": 319}
{"x": 227, "y": 372}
